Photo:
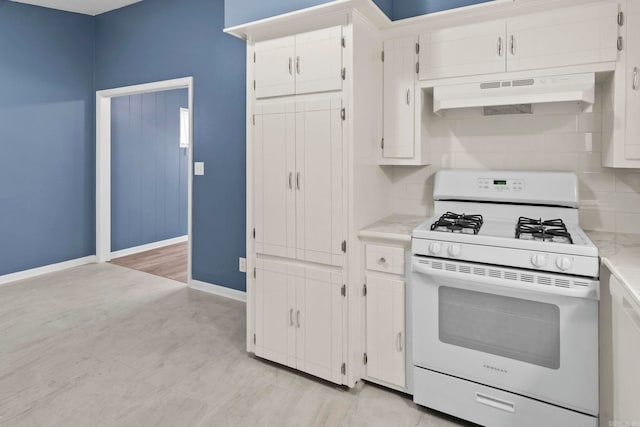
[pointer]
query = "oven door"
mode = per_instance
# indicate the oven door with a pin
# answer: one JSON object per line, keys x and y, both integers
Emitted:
{"x": 536, "y": 340}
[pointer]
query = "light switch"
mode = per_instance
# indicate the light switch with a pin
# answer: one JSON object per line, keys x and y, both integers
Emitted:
{"x": 242, "y": 265}
{"x": 198, "y": 168}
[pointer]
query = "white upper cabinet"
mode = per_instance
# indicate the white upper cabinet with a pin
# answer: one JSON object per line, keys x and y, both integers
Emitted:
{"x": 305, "y": 63}
{"x": 400, "y": 59}
{"x": 463, "y": 51}
{"x": 621, "y": 97}
{"x": 632, "y": 74}
{"x": 557, "y": 38}
{"x": 585, "y": 34}
{"x": 318, "y": 181}
{"x": 298, "y": 180}
{"x": 274, "y": 70}
{"x": 318, "y": 61}
{"x": 274, "y": 197}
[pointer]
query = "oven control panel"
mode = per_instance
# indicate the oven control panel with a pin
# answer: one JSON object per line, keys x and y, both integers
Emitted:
{"x": 586, "y": 266}
{"x": 500, "y": 185}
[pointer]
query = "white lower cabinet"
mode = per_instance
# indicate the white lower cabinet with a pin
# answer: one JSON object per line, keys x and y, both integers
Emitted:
{"x": 385, "y": 348}
{"x": 299, "y": 315}
{"x": 385, "y": 335}
{"x": 626, "y": 354}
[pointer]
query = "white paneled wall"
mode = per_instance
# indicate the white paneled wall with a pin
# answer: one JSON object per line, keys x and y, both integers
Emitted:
{"x": 550, "y": 140}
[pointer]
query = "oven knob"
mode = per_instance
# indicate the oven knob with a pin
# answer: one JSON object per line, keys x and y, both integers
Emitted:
{"x": 454, "y": 250}
{"x": 434, "y": 248}
{"x": 563, "y": 263}
{"x": 538, "y": 260}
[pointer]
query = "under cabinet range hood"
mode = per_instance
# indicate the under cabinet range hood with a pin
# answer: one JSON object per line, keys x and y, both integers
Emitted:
{"x": 515, "y": 96}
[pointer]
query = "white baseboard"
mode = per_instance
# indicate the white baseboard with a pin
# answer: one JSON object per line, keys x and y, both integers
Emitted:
{"x": 148, "y": 247}
{"x": 218, "y": 290}
{"x": 52, "y": 268}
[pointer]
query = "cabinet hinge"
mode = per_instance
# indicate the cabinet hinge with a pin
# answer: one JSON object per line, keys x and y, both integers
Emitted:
{"x": 364, "y": 290}
{"x": 620, "y": 19}
{"x": 254, "y": 338}
{"x": 417, "y": 68}
{"x": 344, "y": 74}
{"x": 344, "y": 41}
{"x": 343, "y": 114}
{"x": 343, "y": 368}
{"x": 254, "y": 272}
{"x": 254, "y": 123}
{"x": 382, "y": 56}
{"x": 365, "y": 359}
{"x": 417, "y": 48}
{"x": 344, "y": 246}
{"x": 254, "y": 234}
{"x": 619, "y": 43}
{"x": 254, "y": 85}
{"x": 382, "y": 144}
{"x": 343, "y": 290}
{"x": 254, "y": 57}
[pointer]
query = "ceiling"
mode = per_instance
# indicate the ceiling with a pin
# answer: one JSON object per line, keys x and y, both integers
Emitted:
{"x": 87, "y": 7}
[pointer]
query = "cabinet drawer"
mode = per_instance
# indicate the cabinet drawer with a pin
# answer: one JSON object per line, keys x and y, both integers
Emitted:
{"x": 488, "y": 406}
{"x": 387, "y": 259}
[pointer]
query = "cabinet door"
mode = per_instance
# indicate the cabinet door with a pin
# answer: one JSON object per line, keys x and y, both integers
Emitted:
{"x": 273, "y": 68}
{"x": 275, "y": 307}
{"x": 463, "y": 51}
{"x": 319, "y": 203}
{"x": 274, "y": 165}
{"x": 632, "y": 24}
{"x": 571, "y": 36}
{"x": 399, "y": 82}
{"x": 319, "y": 321}
{"x": 318, "y": 61}
{"x": 626, "y": 353}
{"x": 385, "y": 324}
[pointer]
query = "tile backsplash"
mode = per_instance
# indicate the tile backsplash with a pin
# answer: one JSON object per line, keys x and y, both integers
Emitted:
{"x": 549, "y": 140}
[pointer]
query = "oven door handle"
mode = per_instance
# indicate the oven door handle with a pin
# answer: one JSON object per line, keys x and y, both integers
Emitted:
{"x": 588, "y": 292}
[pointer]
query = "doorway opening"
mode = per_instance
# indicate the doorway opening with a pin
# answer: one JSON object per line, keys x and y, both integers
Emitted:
{"x": 144, "y": 177}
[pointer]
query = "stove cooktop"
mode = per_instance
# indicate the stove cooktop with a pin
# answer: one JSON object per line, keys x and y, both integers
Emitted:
{"x": 552, "y": 235}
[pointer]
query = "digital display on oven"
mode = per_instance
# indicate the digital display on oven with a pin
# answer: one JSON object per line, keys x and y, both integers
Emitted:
{"x": 499, "y": 182}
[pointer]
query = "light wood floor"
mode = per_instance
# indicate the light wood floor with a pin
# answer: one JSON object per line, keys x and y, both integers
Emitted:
{"x": 170, "y": 262}
{"x": 103, "y": 345}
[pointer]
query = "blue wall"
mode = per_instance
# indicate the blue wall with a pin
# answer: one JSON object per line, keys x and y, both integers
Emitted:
{"x": 164, "y": 39}
{"x": 409, "y": 8}
{"x": 148, "y": 169}
{"x": 46, "y": 136}
{"x": 243, "y": 11}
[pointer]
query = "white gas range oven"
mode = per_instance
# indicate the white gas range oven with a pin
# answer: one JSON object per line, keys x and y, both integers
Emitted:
{"x": 505, "y": 301}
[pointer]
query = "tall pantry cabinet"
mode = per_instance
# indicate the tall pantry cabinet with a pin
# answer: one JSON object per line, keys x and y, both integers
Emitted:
{"x": 314, "y": 109}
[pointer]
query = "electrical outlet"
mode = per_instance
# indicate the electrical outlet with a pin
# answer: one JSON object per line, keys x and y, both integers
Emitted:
{"x": 198, "y": 168}
{"x": 242, "y": 265}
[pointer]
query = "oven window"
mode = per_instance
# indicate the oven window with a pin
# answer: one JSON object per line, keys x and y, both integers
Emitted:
{"x": 519, "y": 329}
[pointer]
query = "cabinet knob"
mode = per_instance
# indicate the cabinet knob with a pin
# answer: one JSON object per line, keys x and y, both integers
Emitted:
{"x": 383, "y": 260}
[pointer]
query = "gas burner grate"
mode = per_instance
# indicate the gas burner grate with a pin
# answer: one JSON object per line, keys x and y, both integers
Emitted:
{"x": 553, "y": 230}
{"x": 458, "y": 223}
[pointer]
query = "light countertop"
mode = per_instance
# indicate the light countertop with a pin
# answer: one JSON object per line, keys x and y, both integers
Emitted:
{"x": 620, "y": 253}
{"x": 395, "y": 227}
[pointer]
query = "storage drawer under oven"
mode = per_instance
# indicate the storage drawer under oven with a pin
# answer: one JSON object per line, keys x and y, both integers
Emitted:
{"x": 488, "y": 406}
{"x": 387, "y": 259}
